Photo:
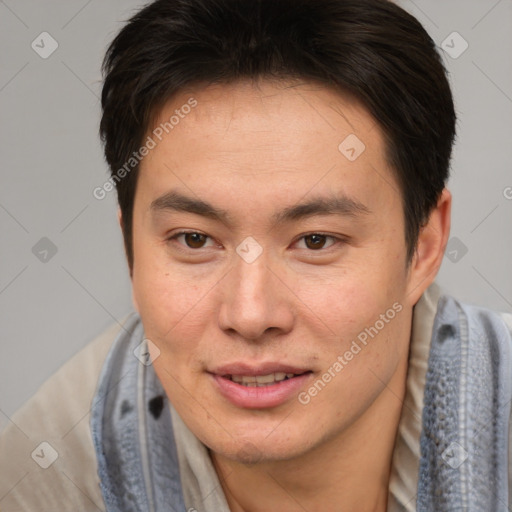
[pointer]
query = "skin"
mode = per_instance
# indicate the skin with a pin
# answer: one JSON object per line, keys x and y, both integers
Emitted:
{"x": 253, "y": 150}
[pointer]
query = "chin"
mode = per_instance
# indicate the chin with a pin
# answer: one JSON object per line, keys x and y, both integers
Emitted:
{"x": 261, "y": 448}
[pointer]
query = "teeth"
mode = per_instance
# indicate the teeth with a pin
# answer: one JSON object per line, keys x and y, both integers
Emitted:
{"x": 261, "y": 380}
{"x": 265, "y": 379}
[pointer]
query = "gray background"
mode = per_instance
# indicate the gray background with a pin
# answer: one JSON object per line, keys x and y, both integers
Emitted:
{"x": 51, "y": 305}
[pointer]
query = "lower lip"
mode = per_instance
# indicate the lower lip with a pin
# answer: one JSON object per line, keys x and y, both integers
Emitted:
{"x": 260, "y": 397}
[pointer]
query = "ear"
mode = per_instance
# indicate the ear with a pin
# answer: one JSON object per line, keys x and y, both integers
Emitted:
{"x": 120, "y": 220}
{"x": 430, "y": 248}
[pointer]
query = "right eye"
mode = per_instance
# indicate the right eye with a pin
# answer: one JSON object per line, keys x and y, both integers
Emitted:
{"x": 191, "y": 239}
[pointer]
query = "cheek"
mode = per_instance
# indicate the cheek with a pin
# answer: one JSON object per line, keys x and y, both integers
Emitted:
{"x": 167, "y": 302}
{"x": 362, "y": 365}
{"x": 352, "y": 301}
{"x": 364, "y": 316}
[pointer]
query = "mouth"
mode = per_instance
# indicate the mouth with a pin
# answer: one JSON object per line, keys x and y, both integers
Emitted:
{"x": 261, "y": 387}
{"x": 260, "y": 381}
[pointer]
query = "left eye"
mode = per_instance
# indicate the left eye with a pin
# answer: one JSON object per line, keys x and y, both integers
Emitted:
{"x": 317, "y": 241}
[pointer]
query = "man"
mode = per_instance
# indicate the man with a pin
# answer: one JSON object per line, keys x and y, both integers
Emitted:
{"x": 280, "y": 168}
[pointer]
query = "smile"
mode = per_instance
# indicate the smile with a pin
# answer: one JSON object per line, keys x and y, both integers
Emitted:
{"x": 261, "y": 390}
{"x": 260, "y": 380}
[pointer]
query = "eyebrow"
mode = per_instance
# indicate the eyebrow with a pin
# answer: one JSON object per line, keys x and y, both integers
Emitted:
{"x": 334, "y": 205}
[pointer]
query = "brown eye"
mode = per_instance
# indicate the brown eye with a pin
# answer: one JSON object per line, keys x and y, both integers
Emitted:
{"x": 315, "y": 241}
{"x": 195, "y": 240}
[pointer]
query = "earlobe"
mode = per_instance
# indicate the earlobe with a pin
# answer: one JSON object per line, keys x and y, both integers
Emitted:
{"x": 430, "y": 248}
{"x": 134, "y": 301}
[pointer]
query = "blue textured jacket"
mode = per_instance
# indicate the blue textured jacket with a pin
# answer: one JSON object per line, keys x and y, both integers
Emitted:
{"x": 465, "y": 421}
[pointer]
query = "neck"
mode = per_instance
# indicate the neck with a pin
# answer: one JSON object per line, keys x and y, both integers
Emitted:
{"x": 352, "y": 469}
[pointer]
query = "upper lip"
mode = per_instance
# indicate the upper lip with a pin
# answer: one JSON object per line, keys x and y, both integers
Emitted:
{"x": 245, "y": 369}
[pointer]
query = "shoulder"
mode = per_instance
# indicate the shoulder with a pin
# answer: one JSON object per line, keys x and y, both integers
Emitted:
{"x": 47, "y": 459}
{"x": 466, "y": 413}
{"x": 437, "y": 309}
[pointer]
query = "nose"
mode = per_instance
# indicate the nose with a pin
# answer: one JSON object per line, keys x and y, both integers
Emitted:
{"x": 256, "y": 301}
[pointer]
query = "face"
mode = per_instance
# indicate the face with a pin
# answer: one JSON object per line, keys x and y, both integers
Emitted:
{"x": 270, "y": 265}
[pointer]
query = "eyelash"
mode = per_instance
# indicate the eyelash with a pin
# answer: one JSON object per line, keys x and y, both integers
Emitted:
{"x": 335, "y": 239}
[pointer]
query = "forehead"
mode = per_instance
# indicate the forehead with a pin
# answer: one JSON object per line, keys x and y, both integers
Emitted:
{"x": 272, "y": 141}
{"x": 268, "y": 107}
